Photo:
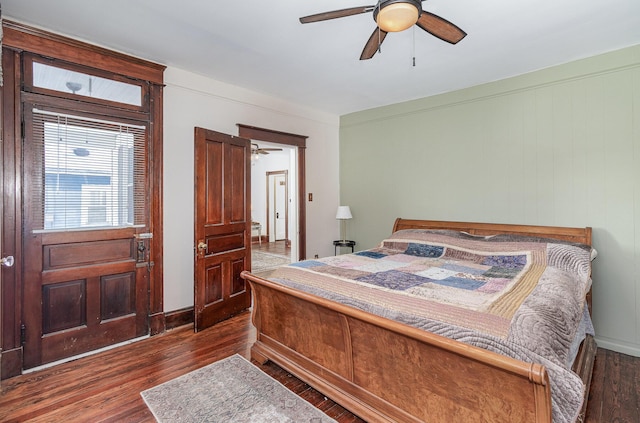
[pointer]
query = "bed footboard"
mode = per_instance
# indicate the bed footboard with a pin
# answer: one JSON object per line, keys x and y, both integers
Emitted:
{"x": 382, "y": 370}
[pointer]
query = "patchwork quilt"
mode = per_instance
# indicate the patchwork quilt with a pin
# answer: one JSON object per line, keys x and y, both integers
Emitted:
{"x": 519, "y": 296}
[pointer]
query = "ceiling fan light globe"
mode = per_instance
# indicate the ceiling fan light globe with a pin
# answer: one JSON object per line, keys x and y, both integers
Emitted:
{"x": 397, "y": 17}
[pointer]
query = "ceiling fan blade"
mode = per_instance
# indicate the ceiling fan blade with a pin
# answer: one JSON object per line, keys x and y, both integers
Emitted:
{"x": 271, "y": 149}
{"x": 336, "y": 14}
{"x": 373, "y": 44}
{"x": 440, "y": 27}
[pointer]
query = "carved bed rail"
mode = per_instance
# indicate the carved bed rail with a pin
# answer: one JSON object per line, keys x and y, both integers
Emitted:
{"x": 382, "y": 370}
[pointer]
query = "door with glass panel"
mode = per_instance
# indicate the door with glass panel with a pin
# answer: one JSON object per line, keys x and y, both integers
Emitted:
{"x": 85, "y": 218}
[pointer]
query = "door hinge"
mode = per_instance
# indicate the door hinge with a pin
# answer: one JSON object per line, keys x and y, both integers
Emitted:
{"x": 23, "y": 334}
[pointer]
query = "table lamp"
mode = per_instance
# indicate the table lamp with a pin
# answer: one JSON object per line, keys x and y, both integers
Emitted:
{"x": 343, "y": 213}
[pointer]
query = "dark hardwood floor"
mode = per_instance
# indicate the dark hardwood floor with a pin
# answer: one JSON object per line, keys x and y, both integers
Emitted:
{"x": 106, "y": 387}
{"x": 277, "y": 247}
{"x": 615, "y": 389}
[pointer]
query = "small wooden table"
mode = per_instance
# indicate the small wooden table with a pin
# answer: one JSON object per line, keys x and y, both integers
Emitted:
{"x": 342, "y": 243}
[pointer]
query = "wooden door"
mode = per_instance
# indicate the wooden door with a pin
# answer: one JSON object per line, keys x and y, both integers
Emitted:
{"x": 222, "y": 226}
{"x": 278, "y": 206}
{"x": 85, "y": 232}
{"x": 281, "y": 202}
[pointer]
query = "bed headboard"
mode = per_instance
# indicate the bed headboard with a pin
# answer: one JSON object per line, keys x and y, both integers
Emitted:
{"x": 581, "y": 235}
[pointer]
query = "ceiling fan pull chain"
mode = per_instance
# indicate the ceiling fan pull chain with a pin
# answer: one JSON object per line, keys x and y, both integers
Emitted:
{"x": 414, "y": 46}
{"x": 379, "y": 40}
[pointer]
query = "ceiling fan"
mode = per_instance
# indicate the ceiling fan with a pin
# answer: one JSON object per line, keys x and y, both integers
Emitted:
{"x": 395, "y": 16}
{"x": 255, "y": 149}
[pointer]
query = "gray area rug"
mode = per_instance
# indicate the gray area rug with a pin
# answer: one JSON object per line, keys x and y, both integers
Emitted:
{"x": 229, "y": 390}
{"x": 261, "y": 261}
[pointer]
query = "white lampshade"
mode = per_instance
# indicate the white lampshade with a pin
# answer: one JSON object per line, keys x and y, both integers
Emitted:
{"x": 344, "y": 212}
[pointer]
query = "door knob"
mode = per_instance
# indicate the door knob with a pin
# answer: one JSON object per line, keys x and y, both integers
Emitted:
{"x": 202, "y": 246}
{"x": 7, "y": 261}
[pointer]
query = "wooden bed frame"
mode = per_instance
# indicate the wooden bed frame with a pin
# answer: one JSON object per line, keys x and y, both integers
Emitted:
{"x": 383, "y": 370}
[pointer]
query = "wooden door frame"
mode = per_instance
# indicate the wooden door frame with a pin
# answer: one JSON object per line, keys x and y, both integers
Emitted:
{"x": 299, "y": 141}
{"x": 11, "y": 307}
{"x": 20, "y": 38}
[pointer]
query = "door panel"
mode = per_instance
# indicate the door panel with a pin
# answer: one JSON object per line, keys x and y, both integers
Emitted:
{"x": 82, "y": 253}
{"x": 80, "y": 300}
{"x": 222, "y": 226}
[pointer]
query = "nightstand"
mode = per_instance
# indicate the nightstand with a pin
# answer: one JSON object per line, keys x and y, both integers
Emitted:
{"x": 343, "y": 243}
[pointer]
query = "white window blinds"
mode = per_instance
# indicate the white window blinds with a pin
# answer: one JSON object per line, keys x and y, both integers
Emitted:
{"x": 92, "y": 172}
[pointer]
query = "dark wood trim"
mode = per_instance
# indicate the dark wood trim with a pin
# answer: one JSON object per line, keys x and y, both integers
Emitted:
{"x": 11, "y": 312}
{"x": 300, "y": 141}
{"x": 179, "y": 318}
{"x": 30, "y": 86}
{"x": 24, "y": 37}
{"x": 270, "y": 135}
{"x": 156, "y": 278}
{"x": 157, "y": 324}
{"x": 11, "y": 363}
{"x": 302, "y": 203}
{"x": 45, "y": 102}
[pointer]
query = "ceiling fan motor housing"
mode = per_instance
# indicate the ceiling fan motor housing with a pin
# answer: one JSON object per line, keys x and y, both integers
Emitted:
{"x": 397, "y": 15}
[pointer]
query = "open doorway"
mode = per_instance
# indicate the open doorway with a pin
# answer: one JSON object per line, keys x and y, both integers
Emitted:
{"x": 273, "y": 211}
{"x": 295, "y": 145}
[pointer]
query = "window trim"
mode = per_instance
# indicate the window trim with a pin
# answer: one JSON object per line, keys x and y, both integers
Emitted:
{"x": 30, "y": 59}
{"x": 48, "y": 44}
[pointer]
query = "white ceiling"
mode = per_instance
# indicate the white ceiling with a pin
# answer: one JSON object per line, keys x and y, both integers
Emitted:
{"x": 261, "y": 45}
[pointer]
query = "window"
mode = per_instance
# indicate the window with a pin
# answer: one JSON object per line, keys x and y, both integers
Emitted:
{"x": 78, "y": 83}
{"x": 90, "y": 172}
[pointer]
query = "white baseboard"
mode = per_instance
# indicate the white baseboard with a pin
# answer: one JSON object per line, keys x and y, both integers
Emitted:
{"x": 608, "y": 344}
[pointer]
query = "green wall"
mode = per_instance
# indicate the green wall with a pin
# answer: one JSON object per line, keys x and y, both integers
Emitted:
{"x": 560, "y": 146}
